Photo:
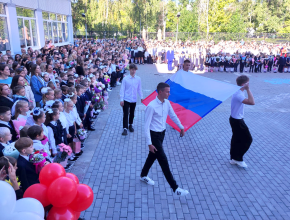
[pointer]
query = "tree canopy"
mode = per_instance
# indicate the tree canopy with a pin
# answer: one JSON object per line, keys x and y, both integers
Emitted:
{"x": 231, "y": 16}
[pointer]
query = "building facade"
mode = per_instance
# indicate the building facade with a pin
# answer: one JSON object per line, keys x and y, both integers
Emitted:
{"x": 34, "y": 23}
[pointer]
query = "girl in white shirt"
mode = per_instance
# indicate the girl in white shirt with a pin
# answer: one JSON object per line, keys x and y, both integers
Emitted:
{"x": 71, "y": 120}
{"x": 21, "y": 110}
{"x": 75, "y": 112}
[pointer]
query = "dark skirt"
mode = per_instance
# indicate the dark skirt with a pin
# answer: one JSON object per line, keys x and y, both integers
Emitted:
{"x": 71, "y": 131}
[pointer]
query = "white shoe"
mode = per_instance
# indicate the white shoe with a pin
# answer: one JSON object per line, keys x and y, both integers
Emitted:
{"x": 109, "y": 90}
{"x": 147, "y": 180}
{"x": 233, "y": 162}
{"x": 181, "y": 192}
{"x": 118, "y": 83}
{"x": 239, "y": 163}
{"x": 242, "y": 164}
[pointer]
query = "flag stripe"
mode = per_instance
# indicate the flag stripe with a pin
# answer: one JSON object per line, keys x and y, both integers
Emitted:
{"x": 203, "y": 85}
{"x": 193, "y": 101}
{"x": 186, "y": 117}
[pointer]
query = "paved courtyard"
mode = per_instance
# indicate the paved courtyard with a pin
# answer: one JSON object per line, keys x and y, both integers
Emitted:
{"x": 111, "y": 163}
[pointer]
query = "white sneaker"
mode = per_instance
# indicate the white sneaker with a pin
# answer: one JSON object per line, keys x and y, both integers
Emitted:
{"x": 181, "y": 192}
{"x": 147, "y": 180}
{"x": 118, "y": 83}
{"x": 233, "y": 162}
{"x": 239, "y": 163}
{"x": 242, "y": 164}
{"x": 109, "y": 90}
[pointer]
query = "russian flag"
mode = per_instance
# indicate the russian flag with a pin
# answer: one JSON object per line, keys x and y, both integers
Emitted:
{"x": 192, "y": 97}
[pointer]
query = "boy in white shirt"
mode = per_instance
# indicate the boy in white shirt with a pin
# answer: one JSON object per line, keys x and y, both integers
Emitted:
{"x": 241, "y": 138}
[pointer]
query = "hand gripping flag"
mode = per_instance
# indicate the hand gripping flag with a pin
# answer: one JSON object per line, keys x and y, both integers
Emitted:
{"x": 192, "y": 97}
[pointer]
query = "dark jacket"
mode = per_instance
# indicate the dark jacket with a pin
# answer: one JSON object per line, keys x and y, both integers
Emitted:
{"x": 26, "y": 173}
{"x": 282, "y": 61}
{"x": 6, "y": 102}
{"x": 80, "y": 106}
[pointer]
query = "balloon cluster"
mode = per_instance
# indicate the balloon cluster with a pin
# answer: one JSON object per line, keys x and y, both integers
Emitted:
{"x": 61, "y": 190}
{"x": 22, "y": 209}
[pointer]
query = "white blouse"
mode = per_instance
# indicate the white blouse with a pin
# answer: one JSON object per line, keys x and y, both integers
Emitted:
{"x": 70, "y": 117}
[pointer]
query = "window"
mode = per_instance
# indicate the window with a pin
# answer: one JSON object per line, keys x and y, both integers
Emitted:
{"x": 4, "y": 37}
{"x": 27, "y": 27}
{"x": 55, "y": 27}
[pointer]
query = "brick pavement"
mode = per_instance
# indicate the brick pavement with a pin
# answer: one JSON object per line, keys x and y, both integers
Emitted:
{"x": 199, "y": 161}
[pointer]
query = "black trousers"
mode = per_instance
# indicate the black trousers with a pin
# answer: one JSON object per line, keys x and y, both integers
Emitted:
{"x": 126, "y": 107}
{"x": 242, "y": 65}
{"x": 281, "y": 68}
{"x": 241, "y": 139}
{"x": 157, "y": 140}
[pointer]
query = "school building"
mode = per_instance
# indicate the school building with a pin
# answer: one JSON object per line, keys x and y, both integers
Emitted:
{"x": 33, "y": 23}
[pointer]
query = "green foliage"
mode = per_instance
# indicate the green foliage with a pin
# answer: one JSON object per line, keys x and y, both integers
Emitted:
{"x": 230, "y": 16}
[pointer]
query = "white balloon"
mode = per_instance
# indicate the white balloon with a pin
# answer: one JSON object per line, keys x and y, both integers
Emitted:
{"x": 29, "y": 205}
{"x": 7, "y": 200}
{"x": 24, "y": 216}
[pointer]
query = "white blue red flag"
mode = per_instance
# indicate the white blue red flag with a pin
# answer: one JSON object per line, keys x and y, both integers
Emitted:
{"x": 192, "y": 97}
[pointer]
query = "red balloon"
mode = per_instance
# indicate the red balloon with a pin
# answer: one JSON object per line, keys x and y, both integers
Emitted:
{"x": 38, "y": 191}
{"x": 78, "y": 214}
{"x": 73, "y": 177}
{"x": 62, "y": 192}
{"x": 51, "y": 172}
{"x": 83, "y": 199}
{"x": 64, "y": 213}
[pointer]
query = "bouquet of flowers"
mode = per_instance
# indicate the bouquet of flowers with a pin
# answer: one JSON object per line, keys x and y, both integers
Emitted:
{"x": 11, "y": 151}
{"x": 38, "y": 159}
{"x": 72, "y": 63}
{"x": 82, "y": 134}
{"x": 95, "y": 98}
{"x": 107, "y": 78}
{"x": 99, "y": 104}
{"x": 62, "y": 152}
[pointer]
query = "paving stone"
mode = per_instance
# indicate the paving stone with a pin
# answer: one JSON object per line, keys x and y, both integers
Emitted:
{"x": 199, "y": 161}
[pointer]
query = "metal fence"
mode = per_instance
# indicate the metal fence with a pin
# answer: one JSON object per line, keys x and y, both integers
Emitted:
{"x": 192, "y": 36}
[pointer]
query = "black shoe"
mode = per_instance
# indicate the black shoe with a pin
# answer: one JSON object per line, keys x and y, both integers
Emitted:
{"x": 79, "y": 153}
{"x": 125, "y": 132}
{"x": 74, "y": 159}
{"x": 131, "y": 129}
{"x": 91, "y": 129}
{"x": 96, "y": 113}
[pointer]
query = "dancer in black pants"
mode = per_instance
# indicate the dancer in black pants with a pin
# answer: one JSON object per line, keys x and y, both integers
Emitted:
{"x": 241, "y": 139}
{"x": 131, "y": 85}
{"x": 155, "y": 124}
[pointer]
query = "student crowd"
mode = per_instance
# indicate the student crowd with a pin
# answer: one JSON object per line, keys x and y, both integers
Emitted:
{"x": 50, "y": 97}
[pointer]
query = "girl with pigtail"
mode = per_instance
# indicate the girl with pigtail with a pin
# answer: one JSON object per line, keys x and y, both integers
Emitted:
{"x": 47, "y": 95}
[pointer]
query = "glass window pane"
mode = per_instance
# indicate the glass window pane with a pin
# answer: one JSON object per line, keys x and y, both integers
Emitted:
{"x": 2, "y": 9}
{"x": 45, "y": 15}
{"x": 52, "y": 16}
{"x": 4, "y": 39}
{"x": 64, "y": 18}
{"x": 50, "y": 30}
{"x": 59, "y": 32}
{"x": 21, "y": 32}
{"x": 34, "y": 32}
{"x": 63, "y": 32}
{"x": 55, "y": 32}
{"x": 45, "y": 29}
{"x": 24, "y": 12}
{"x": 59, "y": 17}
{"x": 27, "y": 33}
{"x": 66, "y": 32}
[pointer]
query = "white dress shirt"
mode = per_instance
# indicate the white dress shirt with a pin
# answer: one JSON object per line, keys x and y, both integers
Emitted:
{"x": 130, "y": 87}
{"x": 155, "y": 117}
{"x": 25, "y": 157}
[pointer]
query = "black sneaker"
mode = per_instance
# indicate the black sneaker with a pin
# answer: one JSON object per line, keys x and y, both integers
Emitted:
{"x": 131, "y": 129}
{"x": 125, "y": 132}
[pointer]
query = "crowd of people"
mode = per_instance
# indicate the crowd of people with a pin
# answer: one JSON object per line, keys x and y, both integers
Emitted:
{"x": 50, "y": 97}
